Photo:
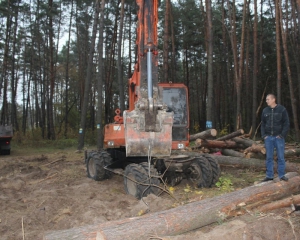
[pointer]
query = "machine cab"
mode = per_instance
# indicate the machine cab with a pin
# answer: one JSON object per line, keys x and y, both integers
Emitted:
{"x": 175, "y": 96}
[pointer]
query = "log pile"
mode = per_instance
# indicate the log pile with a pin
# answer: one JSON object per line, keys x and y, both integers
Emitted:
{"x": 234, "y": 144}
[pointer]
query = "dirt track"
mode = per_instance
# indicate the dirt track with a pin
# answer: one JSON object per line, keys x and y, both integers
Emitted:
{"x": 42, "y": 193}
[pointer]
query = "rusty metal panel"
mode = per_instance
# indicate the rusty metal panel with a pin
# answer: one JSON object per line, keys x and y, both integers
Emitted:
{"x": 114, "y": 132}
{"x": 157, "y": 143}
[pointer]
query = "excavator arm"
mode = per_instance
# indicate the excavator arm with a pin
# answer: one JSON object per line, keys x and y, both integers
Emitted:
{"x": 147, "y": 124}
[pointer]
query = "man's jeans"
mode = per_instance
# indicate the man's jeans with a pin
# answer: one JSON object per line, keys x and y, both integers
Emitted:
{"x": 272, "y": 142}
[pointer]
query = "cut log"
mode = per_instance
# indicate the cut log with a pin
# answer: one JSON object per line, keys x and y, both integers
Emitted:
{"x": 204, "y": 135}
{"x": 256, "y": 148}
{"x": 233, "y": 153}
{"x": 287, "y": 153}
{"x": 292, "y": 152}
{"x": 184, "y": 218}
{"x": 252, "y": 163}
{"x": 256, "y": 155}
{"x": 215, "y": 144}
{"x": 244, "y": 141}
{"x": 287, "y": 202}
{"x": 231, "y": 135}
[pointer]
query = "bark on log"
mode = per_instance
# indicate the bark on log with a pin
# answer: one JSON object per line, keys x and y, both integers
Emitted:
{"x": 256, "y": 155}
{"x": 256, "y": 149}
{"x": 184, "y": 218}
{"x": 280, "y": 204}
{"x": 252, "y": 163}
{"x": 244, "y": 141}
{"x": 233, "y": 153}
{"x": 215, "y": 144}
{"x": 287, "y": 153}
{"x": 292, "y": 152}
{"x": 231, "y": 135}
{"x": 204, "y": 135}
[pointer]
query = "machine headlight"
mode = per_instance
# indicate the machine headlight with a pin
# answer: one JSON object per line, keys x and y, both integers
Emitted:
{"x": 180, "y": 146}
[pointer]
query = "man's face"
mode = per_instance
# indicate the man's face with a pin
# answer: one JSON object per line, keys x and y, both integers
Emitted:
{"x": 270, "y": 100}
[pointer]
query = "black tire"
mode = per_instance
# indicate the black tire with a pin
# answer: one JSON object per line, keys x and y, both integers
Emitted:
{"x": 5, "y": 152}
{"x": 153, "y": 188}
{"x": 215, "y": 167}
{"x": 194, "y": 173}
{"x": 206, "y": 172}
{"x": 138, "y": 174}
{"x": 95, "y": 163}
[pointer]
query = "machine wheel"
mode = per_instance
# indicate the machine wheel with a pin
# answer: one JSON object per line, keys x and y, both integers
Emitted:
{"x": 138, "y": 174}
{"x": 194, "y": 173}
{"x": 206, "y": 172}
{"x": 5, "y": 152}
{"x": 95, "y": 163}
{"x": 215, "y": 167}
{"x": 154, "y": 180}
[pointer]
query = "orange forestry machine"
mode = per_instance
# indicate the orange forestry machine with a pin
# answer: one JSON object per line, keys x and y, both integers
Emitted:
{"x": 147, "y": 141}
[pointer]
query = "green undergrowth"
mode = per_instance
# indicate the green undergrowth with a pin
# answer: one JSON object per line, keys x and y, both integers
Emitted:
{"x": 34, "y": 140}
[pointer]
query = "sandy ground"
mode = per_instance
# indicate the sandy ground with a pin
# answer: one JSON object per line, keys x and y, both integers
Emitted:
{"x": 46, "y": 192}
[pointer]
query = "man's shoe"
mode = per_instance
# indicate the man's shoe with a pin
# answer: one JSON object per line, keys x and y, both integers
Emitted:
{"x": 284, "y": 178}
{"x": 267, "y": 179}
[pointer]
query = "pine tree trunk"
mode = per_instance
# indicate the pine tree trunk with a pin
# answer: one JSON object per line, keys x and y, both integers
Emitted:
{"x": 4, "y": 73}
{"x": 88, "y": 80}
{"x": 100, "y": 79}
{"x": 209, "y": 51}
{"x": 51, "y": 131}
{"x": 120, "y": 72}
{"x": 67, "y": 75}
{"x": 278, "y": 52}
{"x": 289, "y": 74}
{"x": 14, "y": 81}
{"x": 255, "y": 70}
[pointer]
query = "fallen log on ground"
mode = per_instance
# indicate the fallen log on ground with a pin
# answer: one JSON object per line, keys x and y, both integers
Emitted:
{"x": 231, "y": 152}
{"x": 231, "y": 135}
{"x": 184, "y": 218}
{"x": 252, "y": 163}
{"x": 280, "y": 204}
{"x": 204, "y": 135}
{"x": 215, "y": 143}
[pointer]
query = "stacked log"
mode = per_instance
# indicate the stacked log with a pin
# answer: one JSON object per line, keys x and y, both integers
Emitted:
{"x": 234, "y": 144}
{"x": 241, "y": 162}
{"x": 204, "y": 135}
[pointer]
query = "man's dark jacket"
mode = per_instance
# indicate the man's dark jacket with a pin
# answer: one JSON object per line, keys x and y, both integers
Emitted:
{"x": 275, "y": 122}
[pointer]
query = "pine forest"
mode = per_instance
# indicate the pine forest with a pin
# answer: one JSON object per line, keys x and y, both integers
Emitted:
{"x": 65, "y": 64}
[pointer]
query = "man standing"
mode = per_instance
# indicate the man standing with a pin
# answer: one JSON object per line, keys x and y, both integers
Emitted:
{"x": 274, "y": 128}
